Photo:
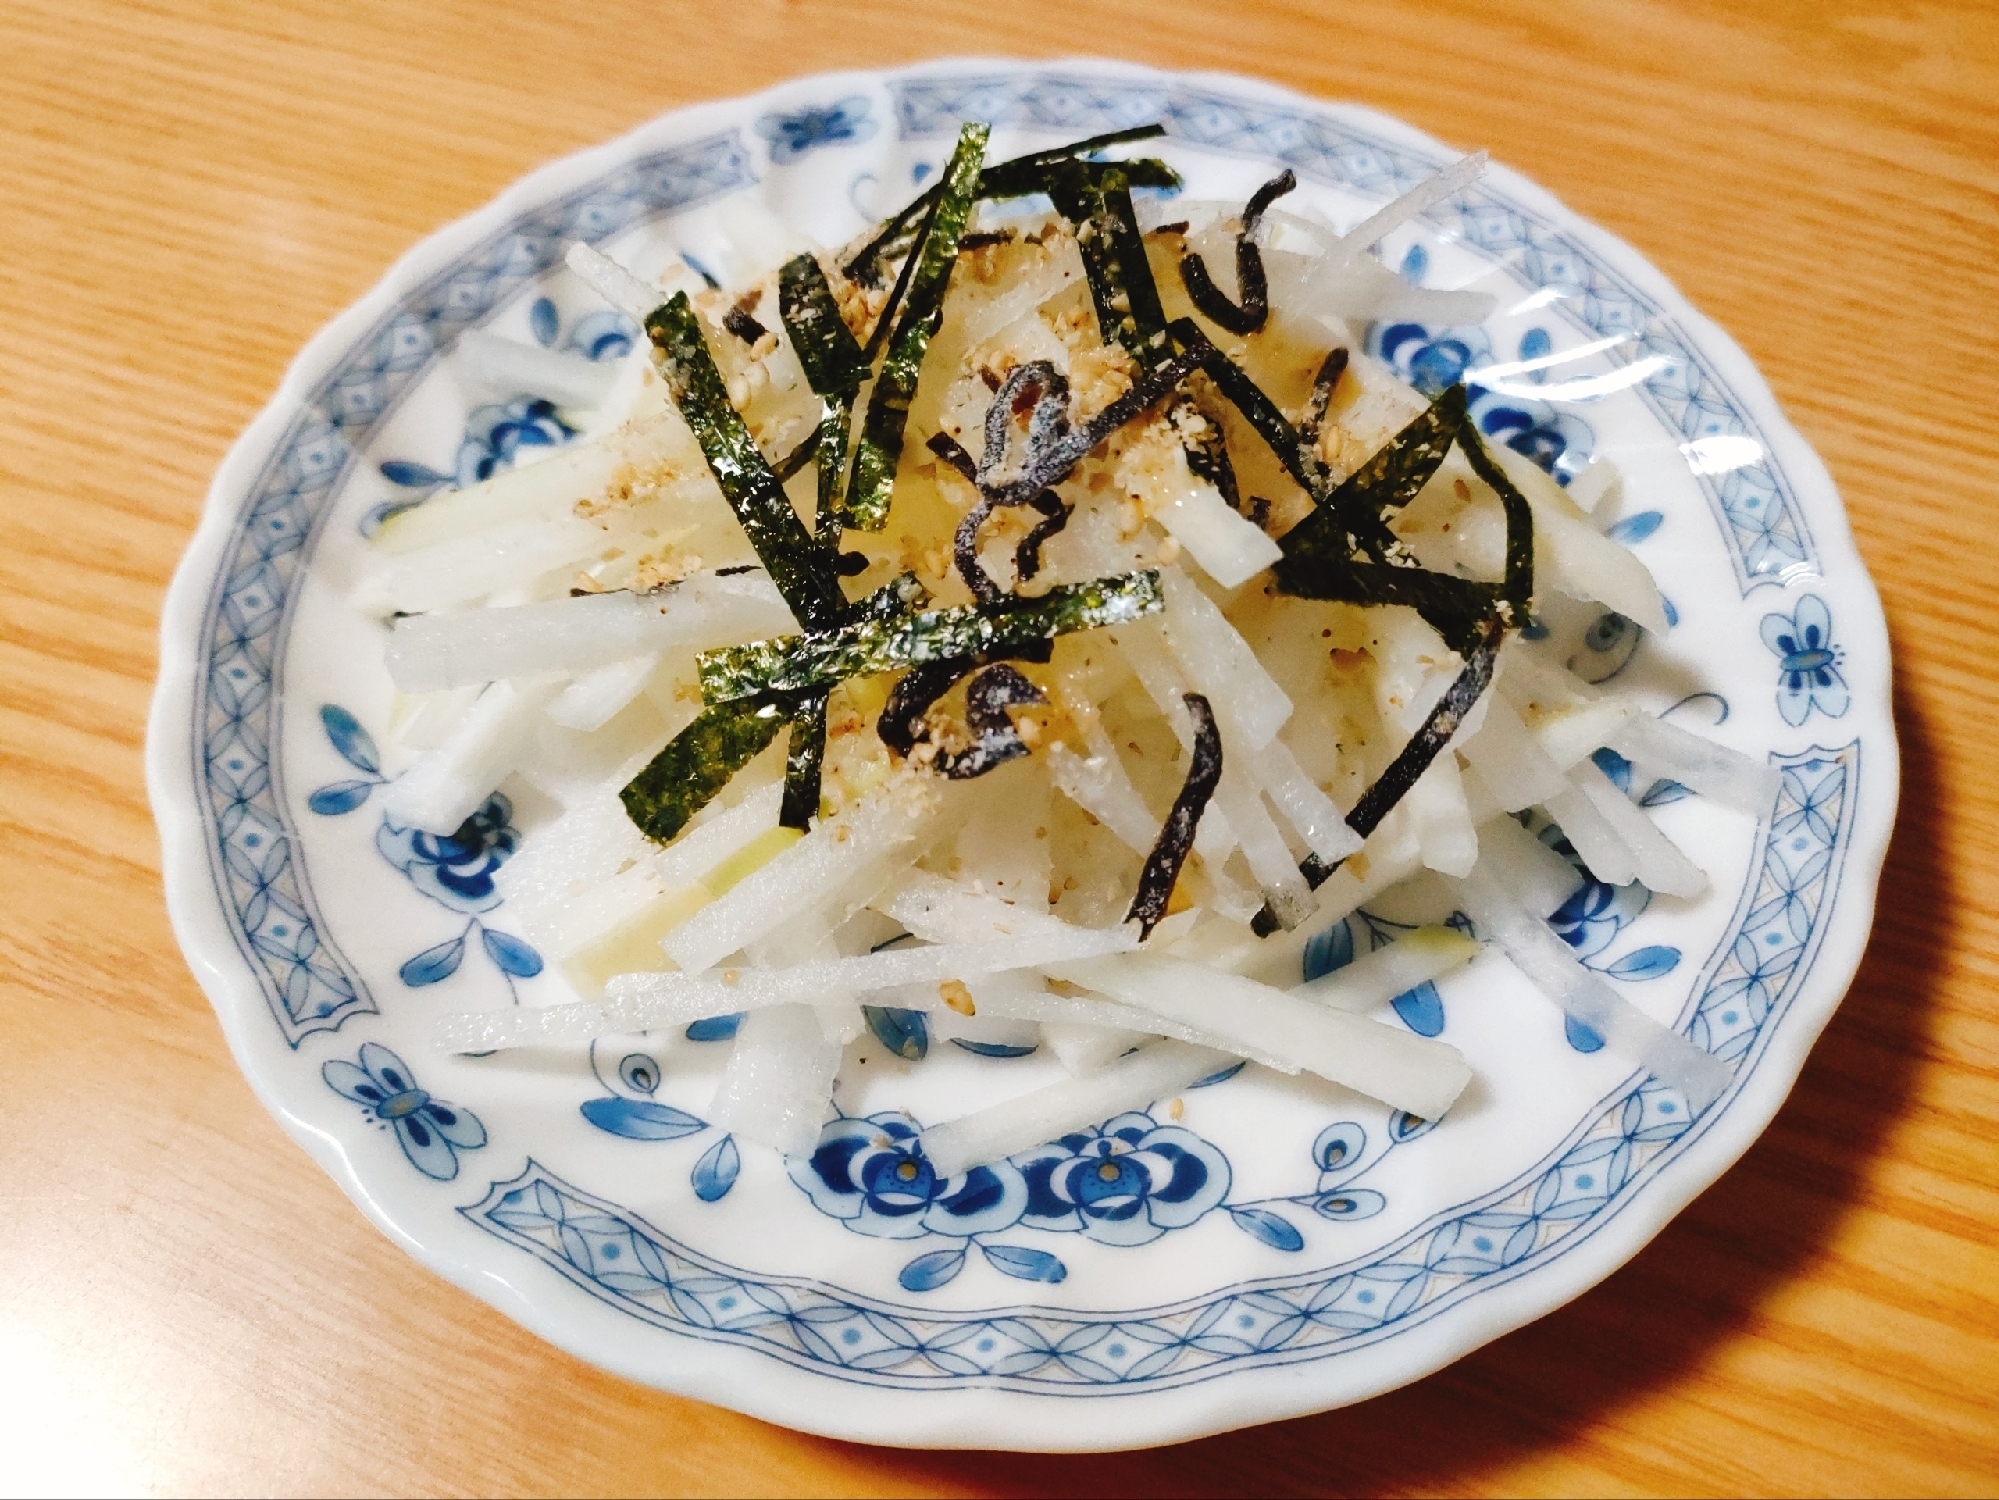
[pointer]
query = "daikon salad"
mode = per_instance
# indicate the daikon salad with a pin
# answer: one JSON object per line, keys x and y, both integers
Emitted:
{"x": 1039, "y": 617}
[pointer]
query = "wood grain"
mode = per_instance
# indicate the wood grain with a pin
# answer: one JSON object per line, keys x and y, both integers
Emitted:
{"x": 190, "y": 189}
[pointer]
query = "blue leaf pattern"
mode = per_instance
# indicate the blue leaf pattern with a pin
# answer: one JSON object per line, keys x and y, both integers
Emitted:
{"x": 928, "y": 1272}
{"x": 340, "y": 797}
{"x": 510, "y": 953}
{"x": 434, "y": 964}
{"x": 1024, "y": 1264}
{"x": 412, "y": 476}
{"x": 354, "y": 743}
{"x": 1636, "y": 528}
{"x": 1645, "y": 963}
{"x": 1421, "y": 1009}
{"x": 640, "y": 1119}
{"x": 714, "y": 1028}
{"x": 1580, "y": 1036}
{"x": 1277, "y": 1233}
{"x": 716, "y": 1172}
{"x": 1347, "y": 1204}
{"x": 903, "y": 1032}
{"x": 543, "y": 322}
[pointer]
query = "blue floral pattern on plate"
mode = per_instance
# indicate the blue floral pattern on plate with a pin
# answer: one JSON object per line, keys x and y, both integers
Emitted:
{"x": 791, "y": 135}
{"x": 431, "y": 1132}
{"x": 1808, "y": 675}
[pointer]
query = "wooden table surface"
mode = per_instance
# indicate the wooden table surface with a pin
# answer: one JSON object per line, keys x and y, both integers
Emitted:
{"x": 189, "y": 188}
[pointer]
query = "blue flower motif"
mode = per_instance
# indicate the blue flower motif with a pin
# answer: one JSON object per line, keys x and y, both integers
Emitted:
{"x": 1124, "y": 1183}
{"x": 604, "y": 335}
{"x": 1432, "y": 361}
{"x": 1590, "y": 920}
{"x": 792, "y": 135}
{"x": 455, "y": 869}
{"x": 494, "y": 436}
{"x": 1558, "y": 441}
{"x": 871, "y": 1174}
{"x": 431, "y": 1132}
{"x": 1808, "y": 674}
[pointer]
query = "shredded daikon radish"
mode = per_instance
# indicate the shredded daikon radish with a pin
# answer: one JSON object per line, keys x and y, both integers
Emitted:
{"x": 1402, "y": 1070}
{"x": 778, "y": 1079}
{"x": 503, "y": 367}
{"x": 447, "y": 785}
{"x": 593, "y": 699}
{"x": 1132, "y": 1082}
{"x": 1728, "y": 776}
{"x": 1656, "y": 860}
{"x": 1428, "y": 953}
{"x": 1554, "y": 968}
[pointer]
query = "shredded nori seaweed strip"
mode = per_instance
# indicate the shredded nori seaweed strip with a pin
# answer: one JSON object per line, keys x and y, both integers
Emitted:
{"x": 979, "y": 239}
{"x": 1518, "y": 589}
{"x": 1359, "y": 510}
{"x": 1251, "y": 283}
{"x": 743, "y": 326}
{"x": 699, "y": 761}
{"x": 1055, "y": 515}
{"x": 801, "y": 568}
{"x": 1323, "y": 385}
{"x": 819, "y": 659}
{"x": 1007, "y": 179}
{"x": 835, "y": 367}
{"x": 804, "y": 760}
{"x": 1098, "y": 204}
{"x": 1176, "y": 838}
{"x": 1457, "y": 608}
{"x": 994, "y": 739}
{"x": 880, "y": 446}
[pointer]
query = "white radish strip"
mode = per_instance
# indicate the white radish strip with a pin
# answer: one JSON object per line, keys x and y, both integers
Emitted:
{"x": 591, "y": 841}
{"x": 777, "y": 1087}
{"x": 658, "y": 442}
{"x": 504, "y": 367}
{"x": 1510, "y": 761}
{"x": 469, "y": 568}
{"x": 433, "y": 718}
{"x": 1099, "y": 785}
{"x": 1715, "y": 771}
{"x": 1017, "y": 995}
{"x": 1660, "y": 864}
{"x": 1270, "y": 859}
{"x": 597, "y": 697}
{"x": 1221, "y": 663}
{"x": 1331, "y": 290}
{"x": 611, "y": 281}
{"x": 581, "y": 633}
{"x": 1084, "y": 1048}
{"x": 1403, "y": 1071}
{"x": 1553, "y": 966}
{"x": 944, "y": 911}
{"x": 1305, "y": 806}
{"x": 1375, "y": 978}
{"x": 1442, "y": 818}
{"x": 1391, "y": 857}
{"x": 446, "y": 786}
{"x": 1593, "y": 486}
{"x": 1426, "y": 195}
{"x": 1609, "y": 858}
{"x": 1574, "y": 556}
{"x": 1145, "y": 650}
{"x": 810, "y": 871}
{"x": 1049, "y": 1113}
{"x": 1539, "y": 878}
{"x": 1230, "y": 548}
{"x": 700, "y": 848}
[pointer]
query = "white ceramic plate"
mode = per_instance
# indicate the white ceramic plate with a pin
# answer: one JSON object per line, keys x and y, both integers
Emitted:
{"x": 1277, "y": 1249}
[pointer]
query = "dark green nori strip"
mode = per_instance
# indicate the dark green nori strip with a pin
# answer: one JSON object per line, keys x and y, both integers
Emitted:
{"x": 800, "y": 567}
{"x": 1458, "y": 608}
{"x": 1007, "y": 179}
{"x": 1323, "y": 385}
{"x": 868, "y": 493}
{"x": 1169, "y": 851}
{"x": 800, "y": 456}
{"x": 1055, "y": 515}
{"x": 994, "y": 739}
{"x": 1251, "y": 284}
{"x": 830, "y": 355}
{"x": 699, "y": 761}
{"x": 738, "y": 568}
{"x": 743, "y": 326}
{"x": 834, "y": 427}
{"x": 804, "y": 761}
{"x": 1098, "y": 205}
{"x": 1415, "y": 758}
{"x": 818, "y": 659}
{"x": 1518, "y": 589}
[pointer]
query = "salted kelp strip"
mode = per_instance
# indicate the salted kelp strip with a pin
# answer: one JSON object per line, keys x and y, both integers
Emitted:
{"x": 900, "y": 723}
{"x": 1518, "y": 589}
{"x": 994, "y": 739}
{"x": 1054, "y": 516}
{"x": 801, "y": 568}
{"x": 804, "y": 764}
{"x": 820, "y": 659}
{"x": 1327, "y": 381}
{"x": 1176, "y": 838}
{"x": 935, "y": 254}
{"x": 1251, "y": 283}
{"x": 699, "y": 761}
